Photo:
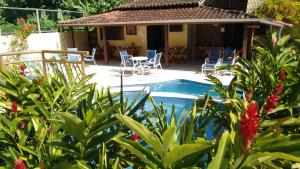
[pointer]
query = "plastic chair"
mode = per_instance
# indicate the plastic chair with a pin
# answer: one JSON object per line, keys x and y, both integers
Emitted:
{"x": 126, "y": 61}
{"x": 156, "y": 62}
{"x": 212, "y": 61}
{"x": 91, "y": 58}
{"x": 151, "y": 54}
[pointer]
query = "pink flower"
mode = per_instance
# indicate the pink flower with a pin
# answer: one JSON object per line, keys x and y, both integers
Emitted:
{"x": 20, "y": 164}
{"x": 135, "y": 137}
{"x": 14, "y": 107}
{"x": 249, "y": 124}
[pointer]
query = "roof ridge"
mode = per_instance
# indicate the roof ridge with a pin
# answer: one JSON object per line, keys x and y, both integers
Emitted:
{"x": 142, "y": 4}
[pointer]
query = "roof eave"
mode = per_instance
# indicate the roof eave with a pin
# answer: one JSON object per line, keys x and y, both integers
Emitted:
{"x": 188, "y": 21}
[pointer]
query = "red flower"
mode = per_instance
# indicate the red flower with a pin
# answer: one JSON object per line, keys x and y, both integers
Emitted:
{"x": 22, "y": 69}
{"x": 22, "y": 20}
{"x": 248, "y": 95}
{"x": 271, "y": 103}
{"x": 279, "y": 88}
{"x": 22, "y": 125}
{"x": 20, "y": 165}
{"x": 135, "y": 137}
{"x": 249, "y": 124}
{"x": 24, "y": 29}
{"x": 273, "y": 100}
{"x": 282, "y": 75}
{"x": 14, "y": 107}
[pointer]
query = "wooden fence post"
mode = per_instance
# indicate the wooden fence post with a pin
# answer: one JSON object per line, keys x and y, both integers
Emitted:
{"x": 1, "y": 62}
{"x": 82, "y": 64}
{"x": 44, "y": 64}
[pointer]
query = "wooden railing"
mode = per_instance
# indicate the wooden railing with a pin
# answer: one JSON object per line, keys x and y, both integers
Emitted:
{"x": 44, "y": 60}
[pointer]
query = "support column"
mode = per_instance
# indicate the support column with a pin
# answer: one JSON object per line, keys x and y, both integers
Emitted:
{"x": 250, "y": 45}
{"x": 105, "y": 46}
{"x": 72, "y": 36}
{"x": 166, "y": 45}
{"x": 245, "y": 41}
{"x": 98, "y": 36}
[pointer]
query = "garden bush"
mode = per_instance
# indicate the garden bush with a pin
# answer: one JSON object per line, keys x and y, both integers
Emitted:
{"x": 63, "y": 121}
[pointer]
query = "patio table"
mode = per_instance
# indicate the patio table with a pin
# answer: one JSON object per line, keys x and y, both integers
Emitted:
{"x": 138, "y": 60}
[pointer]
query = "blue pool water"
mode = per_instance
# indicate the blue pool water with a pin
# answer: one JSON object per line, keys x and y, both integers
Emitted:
{"x": 182, "y": 86}
{"x": 176, "y": 86}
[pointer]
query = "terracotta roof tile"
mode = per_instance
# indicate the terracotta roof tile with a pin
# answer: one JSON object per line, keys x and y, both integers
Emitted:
{"x": 142, "y": 4}
{"x": 144, "y": 15}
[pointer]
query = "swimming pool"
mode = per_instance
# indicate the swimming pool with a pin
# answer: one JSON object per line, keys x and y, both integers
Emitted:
{"x": 175, "y": 86}
{"x": 180, "y": 86}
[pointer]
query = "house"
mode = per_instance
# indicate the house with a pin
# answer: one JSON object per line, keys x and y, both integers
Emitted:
{"x": 161, "y": 25}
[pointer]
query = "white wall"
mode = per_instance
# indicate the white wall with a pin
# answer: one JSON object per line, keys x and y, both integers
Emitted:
{"x": 50, "y": 41}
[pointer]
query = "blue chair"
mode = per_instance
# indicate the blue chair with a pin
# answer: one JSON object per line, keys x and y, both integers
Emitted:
{"x": 212, "y": 61}
{"x": 156, "y": 62}
{"x": 126, "y": 61}
{"x": 73, "y": 58}
{"x": 151, "y": 54}
{"x": 229, "y": 56}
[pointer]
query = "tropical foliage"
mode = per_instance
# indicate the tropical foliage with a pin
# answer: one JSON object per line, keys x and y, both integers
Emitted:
{"x": 63, "y": 121}
{"x": 48, "y": 19}
{"x": 19, "y": 40}
{"x": 282, "y": 10}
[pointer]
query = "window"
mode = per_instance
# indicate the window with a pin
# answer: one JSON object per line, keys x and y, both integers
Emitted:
{"x": 131, "y": 30}
{"x": 176, "y": 28}
{"x": 115, "y": 33}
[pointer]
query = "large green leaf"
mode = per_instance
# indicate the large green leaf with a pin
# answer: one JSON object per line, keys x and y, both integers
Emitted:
{"x": 168, "y": 138}
{"x": 143, "y": 132}
{"x": 73, "y": 125}
{"x": 141, "y": 152}
{"x": 184, "y": 150}
{"x": 221, "y": 159}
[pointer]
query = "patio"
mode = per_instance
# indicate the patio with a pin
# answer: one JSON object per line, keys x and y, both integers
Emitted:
{"x": 109, "y": 75}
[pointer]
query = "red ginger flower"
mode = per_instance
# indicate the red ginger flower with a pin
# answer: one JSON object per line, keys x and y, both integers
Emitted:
{"x": 282, "y": 75}
{"x": 20, "y": 164}
{"x": 135, "y": 137}
{"x": 249, "y": 124}
{"x": 14, "y": 107}
{"x": 273, "y": 100}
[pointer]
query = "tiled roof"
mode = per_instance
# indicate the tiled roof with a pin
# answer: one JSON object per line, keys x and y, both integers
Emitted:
{"x": 158, "y": 15}
{"x": 142, "y": 4}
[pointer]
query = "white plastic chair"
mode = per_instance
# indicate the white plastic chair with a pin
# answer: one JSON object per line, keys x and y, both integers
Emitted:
{"x": 212, "y": 61}
{"x": 155, "y": 63}
{"x": 91, "y": 58}
{"x": 127, "y": 62}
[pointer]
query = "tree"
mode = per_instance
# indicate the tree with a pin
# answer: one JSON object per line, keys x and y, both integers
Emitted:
{"x": 282, "y": 10}
{"x": 90, "y": 7}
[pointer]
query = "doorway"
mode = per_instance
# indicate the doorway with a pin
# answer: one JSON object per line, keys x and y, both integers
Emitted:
{"x": 155, "y": 37}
